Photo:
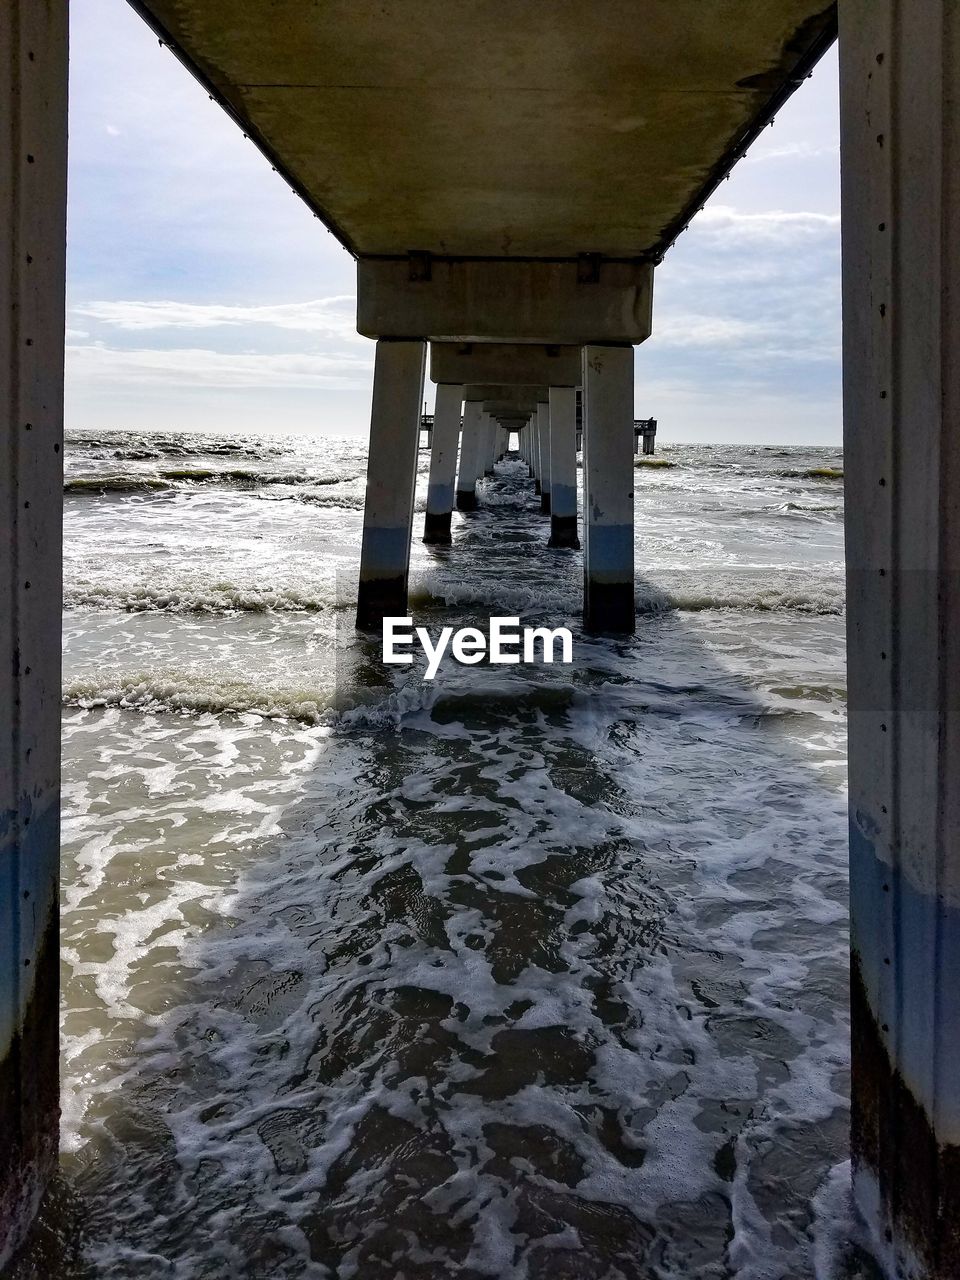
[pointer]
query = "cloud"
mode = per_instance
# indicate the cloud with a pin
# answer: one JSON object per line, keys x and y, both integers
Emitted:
{"x": 98, "y": 364}
{"x": 689, "y": 329}
{"x": 791, "y": 151}
{"x": 775, "y": 226}
{"x": 333, "y": 317}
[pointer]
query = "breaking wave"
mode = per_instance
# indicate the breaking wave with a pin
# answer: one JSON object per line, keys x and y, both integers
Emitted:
{"x": 175, "y": 477}
{"x": 223, "y": 597}
{"x": 813, "y": 473}
{"x": 184, "y": 693}
{"x": 214, "y": 598}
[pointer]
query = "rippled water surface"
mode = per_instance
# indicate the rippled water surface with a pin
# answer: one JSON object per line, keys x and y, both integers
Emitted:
{"x": 526, "y": 972}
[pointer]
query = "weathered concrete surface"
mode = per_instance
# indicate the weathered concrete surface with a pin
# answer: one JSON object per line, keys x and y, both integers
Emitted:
{"x": 563, "y": 467}
{"x": 443, "y": 463}
{"x": 543, "y": 443}
{"x": 391, "y": 481}
{"x": 505, "y": 396}
{"x": 477, "y": 300}
{"x": 900, "y": 139}
{"x": 608, "y": 477}
{"x": 468, "y": 469}
{"x": 508, "y": 408}
{"x": 503, "y": 362}
{"x": 499, "y": 129}
{"x": 33, "y": 144}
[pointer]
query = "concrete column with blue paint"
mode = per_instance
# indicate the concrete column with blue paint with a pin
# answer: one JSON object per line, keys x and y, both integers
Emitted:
{"x": 443, "y": 463}
{"x": 33, "y": 176}
{"x": 608, "y": 478}
{"x": 563, "y": 467}
{"x": 543, "y": 447}
{"x": 391, "y": 481}
{"x": 900, "y": 150}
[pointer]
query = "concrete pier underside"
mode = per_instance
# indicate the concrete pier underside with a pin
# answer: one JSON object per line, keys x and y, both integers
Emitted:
{"x": 499, "y": 129}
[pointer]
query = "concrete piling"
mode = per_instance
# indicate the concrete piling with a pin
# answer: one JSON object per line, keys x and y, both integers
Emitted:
{"x": 608, "y": 489}
{"x": 33, "y": 153}
{"x": 443, "y": 463}
{"x": 391, "y": 480}
{"x": 543, "y": 447}
{"x": 563, "y": 467}
{"x": 470, "y": 447}
{"x": 489, "y": 444}
{"x": 900, "y": 150}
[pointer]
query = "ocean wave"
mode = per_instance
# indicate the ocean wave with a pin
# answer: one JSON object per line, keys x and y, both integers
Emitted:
{"x": 172, "y": 477}
{"x": 494, "y": 599}
{"x": 651, "y": 597}
{"x": 114, "y": 484}
{"x": 347, "y": 709}
{"x": 135, "y": 445}
{"x": 812, "y": 508}
{"x": 213, "y": 598}
{"x": 189, "y": 694}
{"x": 824, "y": 598}
{"x": 812, "y": 473}
{"x": 655, "y": 463}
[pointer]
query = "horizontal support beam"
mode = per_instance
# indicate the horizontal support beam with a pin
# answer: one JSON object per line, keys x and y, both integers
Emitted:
{"x": 502, "y": 300}
{"x": 505, "y": 362}
{"x": 506, "y": 395}
{"x": 523, "y": 408}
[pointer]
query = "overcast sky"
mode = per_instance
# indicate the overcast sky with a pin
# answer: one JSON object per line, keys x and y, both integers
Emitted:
{"x": 203, "y": 294}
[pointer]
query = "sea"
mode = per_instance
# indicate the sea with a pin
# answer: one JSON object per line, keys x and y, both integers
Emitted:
{"x": 522, "y": 972}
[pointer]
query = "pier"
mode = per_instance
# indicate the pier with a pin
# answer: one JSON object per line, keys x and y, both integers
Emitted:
{"x": 507, "y": 199}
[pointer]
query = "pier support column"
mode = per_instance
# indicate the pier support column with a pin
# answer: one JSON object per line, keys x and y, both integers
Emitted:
{"x": 470, "y": 446}
{"x": 543, "y": 444}
{"x": 563, "y": 467}
{"x": 900, "y": 147}
{"x": 33, "y": 154}
{"x": 443, "y": 463}
{"x": 489, "y": 444}
{"x": 608, "y": 603}
{"x": 391, "y": 480}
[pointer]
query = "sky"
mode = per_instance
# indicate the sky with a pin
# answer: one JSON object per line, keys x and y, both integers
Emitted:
{"x": 203, "y": 294}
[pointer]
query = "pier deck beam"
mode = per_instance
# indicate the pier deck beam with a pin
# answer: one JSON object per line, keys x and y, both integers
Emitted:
{"x": 505, "y": 301}
{"x": 563, "y": 467}
{"x": 33, "y": 152}
{"x": 608, "y": 591}
{"x": 391, "y": 481}
{"x": 900, "y": 147}
{"x": 443, "y": 463}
